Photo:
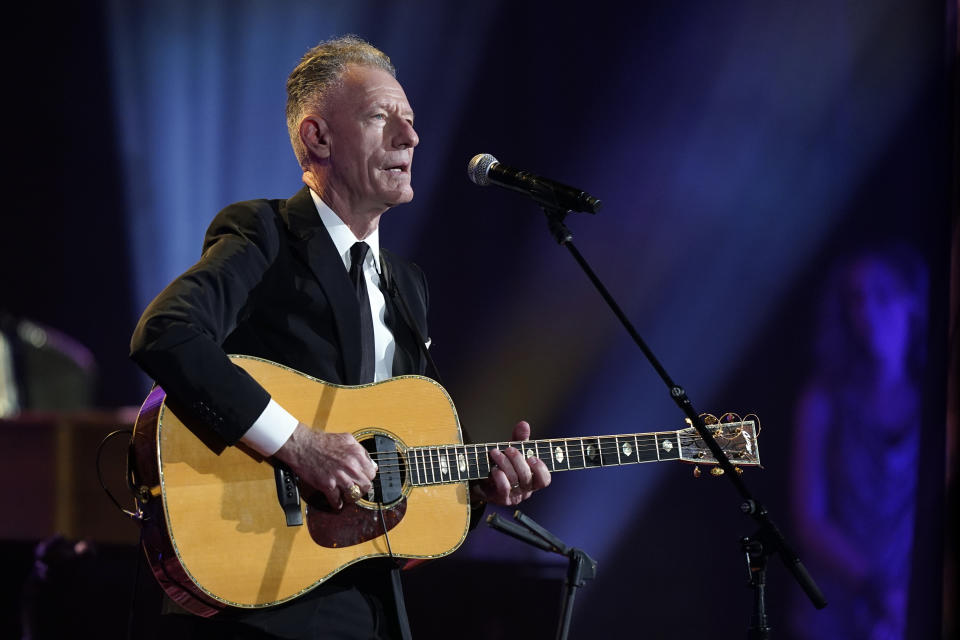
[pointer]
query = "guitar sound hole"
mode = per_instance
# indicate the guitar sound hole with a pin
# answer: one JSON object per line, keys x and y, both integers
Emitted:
{"x": 391, "y": 469}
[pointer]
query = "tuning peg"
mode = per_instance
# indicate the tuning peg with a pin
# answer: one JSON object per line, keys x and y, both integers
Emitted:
{"x": 716, "y": 471}
{"x": 738, "y": 470}
{"x": 696, "y": 472}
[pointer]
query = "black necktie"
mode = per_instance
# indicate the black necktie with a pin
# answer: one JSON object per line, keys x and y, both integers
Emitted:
{"x": 358, "y": 253}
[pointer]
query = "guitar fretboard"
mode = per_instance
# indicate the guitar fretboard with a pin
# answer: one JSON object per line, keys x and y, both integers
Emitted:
{"x": 457, "y": 463}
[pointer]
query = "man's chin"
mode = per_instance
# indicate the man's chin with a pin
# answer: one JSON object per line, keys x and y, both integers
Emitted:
{"x": 404, "y": 196}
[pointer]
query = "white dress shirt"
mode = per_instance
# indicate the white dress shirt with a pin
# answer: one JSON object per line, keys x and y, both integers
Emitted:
{"x": 273, "y": 428}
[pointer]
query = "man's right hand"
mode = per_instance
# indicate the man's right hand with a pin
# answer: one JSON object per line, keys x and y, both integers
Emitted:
{"x": 328, "y": 462}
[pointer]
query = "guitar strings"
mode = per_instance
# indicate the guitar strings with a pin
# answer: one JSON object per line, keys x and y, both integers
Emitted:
{"x": 608, "y": 442}
{"x": 606, "y": 447}
{"x": 429, "y": 463}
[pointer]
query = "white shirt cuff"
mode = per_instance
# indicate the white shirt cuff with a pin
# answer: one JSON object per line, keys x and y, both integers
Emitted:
{"x": 271, "y": 430}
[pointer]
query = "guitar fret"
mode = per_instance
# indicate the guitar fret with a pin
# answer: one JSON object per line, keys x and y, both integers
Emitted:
{"x": 576, "y": 456}
{"x": 550, "y": 458}
{"x": 592, "y": 455}
{"x": 413, "y": 472}
{"x": 452, "y": 461}
{"x": 446, "y": 465}
{"x": 442, "y": 465}
{"x": 647, "y": 448}
{"x": 472, "y": 472}
{"x": 529, "y": 450}
{"x": 476, "y": 460}
{"x": 460, "y": 462}
{"x": 418, "y": 463}
{"x": 627, "y": 450}
{"x": 609, "y": 455}
{"x": 435, "y": 463}
{"x": 666, "y": 448}
{"x": 483, "y": 463}
{"x": 539, "y": 448}
{"x": 563, "y": 453}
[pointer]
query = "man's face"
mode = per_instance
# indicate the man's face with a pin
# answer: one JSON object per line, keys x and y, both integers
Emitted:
{"x": 371, "y": 138}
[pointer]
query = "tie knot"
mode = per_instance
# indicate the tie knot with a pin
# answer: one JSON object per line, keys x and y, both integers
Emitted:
{"x": 358, "y": 253}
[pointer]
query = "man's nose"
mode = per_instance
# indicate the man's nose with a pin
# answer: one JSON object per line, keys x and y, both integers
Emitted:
{"x": 406, "y": 136}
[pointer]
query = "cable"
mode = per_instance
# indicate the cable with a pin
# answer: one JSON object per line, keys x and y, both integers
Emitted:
{"x": 136, "y": 514}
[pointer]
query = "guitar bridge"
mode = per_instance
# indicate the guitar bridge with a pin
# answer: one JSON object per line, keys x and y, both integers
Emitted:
{"x": 289, "y": 494}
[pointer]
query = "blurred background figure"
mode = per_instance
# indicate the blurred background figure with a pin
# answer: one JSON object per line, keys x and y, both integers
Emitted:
{"x": 857, "y": 446}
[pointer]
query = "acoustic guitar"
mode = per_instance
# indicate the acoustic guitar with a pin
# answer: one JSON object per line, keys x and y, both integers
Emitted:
{"x": 223, "y": 527}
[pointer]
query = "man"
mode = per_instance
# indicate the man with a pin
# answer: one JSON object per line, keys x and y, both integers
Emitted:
{"x": 285, "y": 280}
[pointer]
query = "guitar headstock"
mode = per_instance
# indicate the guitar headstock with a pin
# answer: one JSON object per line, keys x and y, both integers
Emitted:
{"x": 736, "y": 437}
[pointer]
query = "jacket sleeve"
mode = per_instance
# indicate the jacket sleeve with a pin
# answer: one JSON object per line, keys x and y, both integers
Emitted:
{"x": 177, "y": 341}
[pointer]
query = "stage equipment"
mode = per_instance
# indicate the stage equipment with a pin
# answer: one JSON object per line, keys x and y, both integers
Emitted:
{"x": 204, "y": 506}
{"x": 581, "y": 566}
{"x": 484, "y": 170}
{"x": 767, "y": 539}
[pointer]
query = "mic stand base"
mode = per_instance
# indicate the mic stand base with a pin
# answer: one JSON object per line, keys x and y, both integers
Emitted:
{"x": 580, "y": 569}
{"x": 756, "y": 556}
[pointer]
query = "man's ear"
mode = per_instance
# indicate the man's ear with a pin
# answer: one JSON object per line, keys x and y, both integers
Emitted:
{"x": 314, "y": 136}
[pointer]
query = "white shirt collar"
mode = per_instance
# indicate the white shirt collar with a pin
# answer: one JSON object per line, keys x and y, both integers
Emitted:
{"x": 342, "y": 236}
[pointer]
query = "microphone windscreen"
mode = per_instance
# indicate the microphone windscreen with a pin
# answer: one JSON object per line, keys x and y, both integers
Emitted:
{"x": 478, "y": 168}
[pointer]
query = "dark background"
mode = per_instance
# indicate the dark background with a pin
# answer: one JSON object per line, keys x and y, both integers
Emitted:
{"x": 740, "y": 149}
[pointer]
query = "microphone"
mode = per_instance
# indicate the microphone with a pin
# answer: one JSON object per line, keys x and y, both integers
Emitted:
{"x": 484, "y": 170}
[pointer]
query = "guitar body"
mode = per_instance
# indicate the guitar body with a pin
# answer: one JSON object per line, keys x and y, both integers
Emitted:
{"x": 215, "y": 534}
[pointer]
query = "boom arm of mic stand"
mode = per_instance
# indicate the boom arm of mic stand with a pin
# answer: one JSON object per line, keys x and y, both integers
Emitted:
{"x": 580, "y": 566}
{"x": 770, "y": 532}
{"x": 519, "y": 532}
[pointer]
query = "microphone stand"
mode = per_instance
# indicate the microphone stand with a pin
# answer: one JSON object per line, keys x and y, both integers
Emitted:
{"x": 767, "y": 539}
{"x": 581, "y": 567}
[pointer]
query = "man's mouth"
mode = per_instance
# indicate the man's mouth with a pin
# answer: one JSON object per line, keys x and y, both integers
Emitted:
{"x": 399, "y": 168}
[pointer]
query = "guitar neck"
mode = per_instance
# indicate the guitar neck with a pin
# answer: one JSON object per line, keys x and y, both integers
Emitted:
{"x": 457, "y": 463}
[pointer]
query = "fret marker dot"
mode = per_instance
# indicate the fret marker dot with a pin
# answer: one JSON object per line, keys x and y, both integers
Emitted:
{"x": 627, "y": 449}
{"x": 462, "y": 462}
{"x": 443, "y": 466}
{"x": 667, "y": 445}
{"x": 558, "y": 454}
{"x": 529, "y": 453}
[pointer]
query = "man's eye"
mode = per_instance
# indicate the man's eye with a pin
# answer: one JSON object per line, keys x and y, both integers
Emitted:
{"x": 380, "y": 116}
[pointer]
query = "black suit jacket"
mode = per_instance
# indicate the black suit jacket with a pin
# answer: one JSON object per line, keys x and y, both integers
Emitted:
{"x": 270, "y": 284}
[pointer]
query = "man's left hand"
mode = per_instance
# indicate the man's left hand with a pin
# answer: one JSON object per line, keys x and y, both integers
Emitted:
{"x": 516, "y": 477}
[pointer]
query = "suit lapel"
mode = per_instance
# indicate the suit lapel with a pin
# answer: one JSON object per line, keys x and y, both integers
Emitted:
{"x": 314, "y": 245}
{"x": 407, "y": 357}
